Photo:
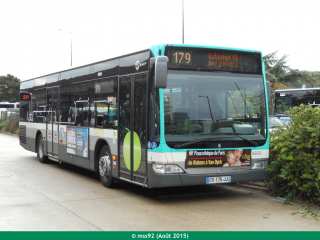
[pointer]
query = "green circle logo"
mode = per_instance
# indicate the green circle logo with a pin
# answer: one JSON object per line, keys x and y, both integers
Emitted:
{"x": 136, "y": 151}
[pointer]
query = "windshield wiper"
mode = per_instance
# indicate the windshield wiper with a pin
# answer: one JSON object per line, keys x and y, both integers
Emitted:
{"x": 200, "y": 140}
{"x": 247, "y": 140}
{"x": 237, "y": 134}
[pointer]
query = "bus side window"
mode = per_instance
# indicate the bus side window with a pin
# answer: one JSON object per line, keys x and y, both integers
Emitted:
{"x": 105, "y": 103}
{"x": 106, "y": 112}
{"x": 81, "y": 103}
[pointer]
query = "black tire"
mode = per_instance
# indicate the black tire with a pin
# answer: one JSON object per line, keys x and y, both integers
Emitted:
{"x": 104, "y": 167}
{"x": 40, "y": 151}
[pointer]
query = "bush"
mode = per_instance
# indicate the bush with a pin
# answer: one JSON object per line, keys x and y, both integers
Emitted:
{"x": 2, "y": 124}
{"x": 294, "y": 171}
{"x": 11, "y": 125}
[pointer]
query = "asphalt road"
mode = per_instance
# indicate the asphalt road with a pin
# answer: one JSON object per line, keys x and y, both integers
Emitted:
{"x": 53, "y": 197}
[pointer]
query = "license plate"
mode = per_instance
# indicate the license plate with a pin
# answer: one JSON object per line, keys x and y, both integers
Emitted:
{"x": 224, "y": 179}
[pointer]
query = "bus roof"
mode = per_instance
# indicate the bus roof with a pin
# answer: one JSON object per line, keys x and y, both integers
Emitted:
{"x": 155, "y": 50}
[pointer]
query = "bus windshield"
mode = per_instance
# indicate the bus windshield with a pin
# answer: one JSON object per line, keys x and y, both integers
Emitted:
{"x": 198, "y": 104}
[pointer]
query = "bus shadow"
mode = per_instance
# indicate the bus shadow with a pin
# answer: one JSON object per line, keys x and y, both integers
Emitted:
{"x": 166, "y": 194}
{"x": 184, "y": 193}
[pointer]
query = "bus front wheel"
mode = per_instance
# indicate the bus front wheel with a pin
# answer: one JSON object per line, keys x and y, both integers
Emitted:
{"x": 105, "y": 167}
{"x": 40, "y": 150}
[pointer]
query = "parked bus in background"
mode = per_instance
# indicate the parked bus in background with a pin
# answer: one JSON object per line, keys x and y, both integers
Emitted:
{"x": 170, "y": 115}
{"x": 6, "y": 108}
{"x": 287, "y": 98}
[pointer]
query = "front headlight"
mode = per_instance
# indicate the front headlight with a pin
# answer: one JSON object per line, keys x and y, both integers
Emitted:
{"x": 166, "y": 169}
{"x": 159, "y": 168}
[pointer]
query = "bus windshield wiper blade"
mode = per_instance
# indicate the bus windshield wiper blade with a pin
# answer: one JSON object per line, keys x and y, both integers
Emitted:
{"x": 237, "y": 134}
{"x": 200, "y": 140}
{"x": 247, "y": 140}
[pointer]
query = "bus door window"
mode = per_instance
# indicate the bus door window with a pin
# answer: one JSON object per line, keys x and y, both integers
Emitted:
{"x": 154, "y": 113}
{"x": 52, "y": 105}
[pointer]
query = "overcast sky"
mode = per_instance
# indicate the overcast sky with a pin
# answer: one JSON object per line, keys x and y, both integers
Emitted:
{"x": 31, "y": 44}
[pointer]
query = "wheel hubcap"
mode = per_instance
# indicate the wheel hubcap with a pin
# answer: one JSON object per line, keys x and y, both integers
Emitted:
{"x": 105, "y": 166}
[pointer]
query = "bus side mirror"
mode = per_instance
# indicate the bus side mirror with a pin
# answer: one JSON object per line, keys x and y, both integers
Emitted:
{"x": 161, "y": 72}
{"x": 269, "y": 92}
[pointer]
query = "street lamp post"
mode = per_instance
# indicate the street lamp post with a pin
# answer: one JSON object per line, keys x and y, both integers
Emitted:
{"x": 182, "y": 22}
{"x": 71, "y": 42}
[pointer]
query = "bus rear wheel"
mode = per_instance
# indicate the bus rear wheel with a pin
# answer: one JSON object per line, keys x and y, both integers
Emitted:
{"x": 105, "y": 167}
{"x": 40, "y": 151}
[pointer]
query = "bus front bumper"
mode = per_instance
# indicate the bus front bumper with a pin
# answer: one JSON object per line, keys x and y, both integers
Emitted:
{"x": 183, "y": 179}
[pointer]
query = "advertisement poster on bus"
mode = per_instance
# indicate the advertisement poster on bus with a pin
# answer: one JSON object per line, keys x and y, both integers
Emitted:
{"x": 218, "y": 158}
{"x": 77, "y": 141}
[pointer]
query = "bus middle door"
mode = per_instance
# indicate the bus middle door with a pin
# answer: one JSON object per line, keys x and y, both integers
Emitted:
{"x": 132, "y": 128}
{"x": 52, "y": 121}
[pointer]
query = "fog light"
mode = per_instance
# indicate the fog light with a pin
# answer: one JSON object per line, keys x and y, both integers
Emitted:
{"x": 173, "y": 169}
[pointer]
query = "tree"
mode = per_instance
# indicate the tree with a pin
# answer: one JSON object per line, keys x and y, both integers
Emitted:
{"x": 9, "y": 88}
{"x": 279, "y": 72}
{"x": 279, "y": 86}
{"x": 275, "y": 68}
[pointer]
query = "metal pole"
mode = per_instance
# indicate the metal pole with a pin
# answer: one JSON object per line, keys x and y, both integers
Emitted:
{"x": 71, "y": 46}
{"x": 182, "y": 22}
{"x": 71, "y": 42}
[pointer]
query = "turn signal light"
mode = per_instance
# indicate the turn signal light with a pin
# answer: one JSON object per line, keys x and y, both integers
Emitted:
{"x": 114, "y": 158}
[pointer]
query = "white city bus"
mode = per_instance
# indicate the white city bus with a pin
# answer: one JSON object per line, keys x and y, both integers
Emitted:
{"x": 6, "y": 108}
{"x": 170, "y": 115}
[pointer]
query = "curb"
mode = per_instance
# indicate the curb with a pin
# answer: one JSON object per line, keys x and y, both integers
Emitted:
{"x": 255, "y": 185}
{"x": 11, "y": 134}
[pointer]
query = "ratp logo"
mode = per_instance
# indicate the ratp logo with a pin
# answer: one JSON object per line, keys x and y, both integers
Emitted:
{"x": 138, "y": 65}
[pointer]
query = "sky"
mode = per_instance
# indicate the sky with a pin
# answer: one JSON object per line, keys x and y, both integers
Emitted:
{"x": 31, "y": 44}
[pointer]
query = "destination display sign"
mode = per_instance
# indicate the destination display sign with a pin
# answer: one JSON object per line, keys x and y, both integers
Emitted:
{"x": 214, "y": 60}
{"x": 218, "y": 158}
{"x": 25, "y": 96}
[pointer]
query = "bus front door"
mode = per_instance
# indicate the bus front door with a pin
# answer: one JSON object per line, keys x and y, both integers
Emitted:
{"x": 132, "y": 128}
{"x": 52, "y": 121}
